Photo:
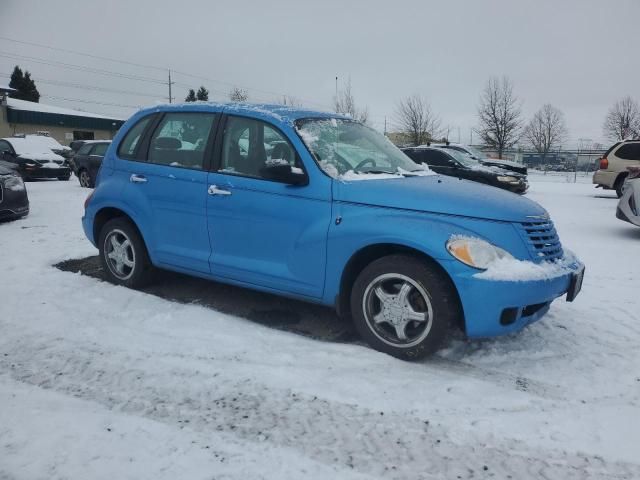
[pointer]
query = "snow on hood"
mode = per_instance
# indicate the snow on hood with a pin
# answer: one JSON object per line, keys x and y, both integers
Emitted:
{"x": 439, "y": 194}
{"x": 33, "y": 150}
{"x": 479, "y": 167}
{"x": 402, "y": 173}
{"x": 512, "y": 270}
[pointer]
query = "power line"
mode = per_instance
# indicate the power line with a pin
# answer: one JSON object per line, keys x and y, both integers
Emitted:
{"x": 136, "y": 107}
{"x": 89, "y": 87}
{"x": 75, "y": 52}
{"x": 82, "y": 68}
{"x": 155, "y": 67}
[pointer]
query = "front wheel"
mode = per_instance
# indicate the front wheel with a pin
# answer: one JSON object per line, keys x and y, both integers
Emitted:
{"x": 403, "y": 306}
{"x": 123, "y": 254}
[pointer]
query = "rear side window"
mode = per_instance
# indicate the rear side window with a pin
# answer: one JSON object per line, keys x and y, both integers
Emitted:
{"x": 131, "y": 142}
{"x": 84, "y": 149}
{"x": 629, "y": 151}
{"x": 100, "y": 149}
{"x": 180, "y": 140}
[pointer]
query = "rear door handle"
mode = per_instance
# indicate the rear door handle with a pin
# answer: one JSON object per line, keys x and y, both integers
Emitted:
{"x": 215, "y": 190}
{"x": 135, "y": 178}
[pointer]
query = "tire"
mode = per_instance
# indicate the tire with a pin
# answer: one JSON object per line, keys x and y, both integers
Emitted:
{"x": 128, "y": 264}
{"x": 410, "y": 287}
{"x": 85, "y": 179}
{"x": 619, "y": 182}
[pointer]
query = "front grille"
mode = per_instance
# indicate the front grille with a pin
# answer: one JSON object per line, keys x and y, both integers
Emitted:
{"x": 541, "y": 239}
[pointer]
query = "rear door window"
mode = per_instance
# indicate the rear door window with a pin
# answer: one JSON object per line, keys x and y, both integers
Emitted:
{"x": 129, "y": 146}
{"x": 629, "y": 151}
{"x": 100, "y": 149}
{"x": 180, "y": 139}
{"x": 84, "y": 149}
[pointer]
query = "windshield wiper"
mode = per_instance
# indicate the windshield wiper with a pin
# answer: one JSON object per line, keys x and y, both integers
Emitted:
{"x": 376, "y": 171}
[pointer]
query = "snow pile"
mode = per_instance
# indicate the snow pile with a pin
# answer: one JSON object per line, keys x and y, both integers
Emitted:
{"x": 512, "y": 270}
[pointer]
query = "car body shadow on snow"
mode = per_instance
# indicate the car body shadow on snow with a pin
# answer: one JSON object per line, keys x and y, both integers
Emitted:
{"x": 294, "y": 316}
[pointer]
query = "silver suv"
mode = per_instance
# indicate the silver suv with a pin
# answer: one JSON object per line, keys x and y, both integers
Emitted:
{"x": 613, "y": 165}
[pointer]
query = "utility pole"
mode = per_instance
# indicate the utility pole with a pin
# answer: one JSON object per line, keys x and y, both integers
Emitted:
{"x": 385, "y": 125}
{"x": 170, "y": 83}
{"x": 336, "y": 97}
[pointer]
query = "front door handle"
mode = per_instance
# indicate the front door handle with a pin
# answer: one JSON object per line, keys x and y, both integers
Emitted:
{"x": 214, "y": 190}
{"x": 135, "y": 178}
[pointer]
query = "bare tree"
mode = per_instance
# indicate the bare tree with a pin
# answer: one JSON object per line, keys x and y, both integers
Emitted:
{"x": 416, "y": 120}
{"x": 623, "y": 120}
{"x": 288, "y": 100}
{"x": 499, "y": 115}
{"x": 238, "y": 95}
{"x": 546, "y": 130}
{"x": 345, "y": 104}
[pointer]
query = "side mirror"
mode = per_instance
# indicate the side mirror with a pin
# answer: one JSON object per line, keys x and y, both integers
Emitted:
{"x": 285, "y": 173}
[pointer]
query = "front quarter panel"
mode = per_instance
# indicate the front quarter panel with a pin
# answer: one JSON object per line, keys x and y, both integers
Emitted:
{"x": 359, "y": 226}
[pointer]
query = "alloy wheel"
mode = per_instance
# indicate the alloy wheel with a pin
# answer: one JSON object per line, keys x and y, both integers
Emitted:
{"x": 397, "y": 310}
{"x": 119, "y": 254}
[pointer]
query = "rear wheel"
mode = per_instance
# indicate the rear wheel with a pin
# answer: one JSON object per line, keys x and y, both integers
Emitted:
{"x": 619, "y": 182}
{"x": 85, "y": 179}
{"x": 403, "y": 306}
{"x": 123, "y": 254}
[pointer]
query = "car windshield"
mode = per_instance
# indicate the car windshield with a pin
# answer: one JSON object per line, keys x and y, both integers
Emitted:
{"x": 463, "y": 158}
{"x": 343, "y": 146}
{"x": 474, "y": 151}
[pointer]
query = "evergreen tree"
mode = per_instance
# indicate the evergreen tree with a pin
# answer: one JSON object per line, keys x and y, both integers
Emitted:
{"x": 17, "y": 82}
{"x": 24, "y": 85}
{"x": 31, "y": 91}
{"x": 191, "y": 97}
{"x": 203, "y": 94}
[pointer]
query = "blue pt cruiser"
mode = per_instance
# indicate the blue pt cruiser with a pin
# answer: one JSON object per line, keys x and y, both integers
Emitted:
{"x": 321, "y": 208}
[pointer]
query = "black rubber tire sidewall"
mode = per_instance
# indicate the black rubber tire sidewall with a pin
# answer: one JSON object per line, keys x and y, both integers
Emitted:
{"x": 142, "y": 269}
{"x": 442, "y": 296}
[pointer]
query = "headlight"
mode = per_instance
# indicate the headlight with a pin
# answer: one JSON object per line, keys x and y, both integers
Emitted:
{"x": 475, "y": 252}
{"x": 13, "y": 183}
{"x": 508, "y": 179}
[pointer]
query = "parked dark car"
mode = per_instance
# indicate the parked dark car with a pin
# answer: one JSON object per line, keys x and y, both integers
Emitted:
{"x": 14, "y": 202}
{"x": 33, "y": 160}
{"x": 87, "y": 161}
{"x": 482, "y": 158}
{"x": 457, "y": 164}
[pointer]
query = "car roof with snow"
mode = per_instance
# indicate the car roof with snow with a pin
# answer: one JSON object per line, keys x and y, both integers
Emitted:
{"x": 266, "y": 111}
{"x": 29, "y": 145}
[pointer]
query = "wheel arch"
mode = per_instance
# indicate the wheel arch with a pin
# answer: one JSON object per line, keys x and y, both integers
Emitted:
{"x": 105, "y": 214}
{"x": 363, "y": 257}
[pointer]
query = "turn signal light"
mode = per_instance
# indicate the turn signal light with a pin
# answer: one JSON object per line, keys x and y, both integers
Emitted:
{"x": 604, "y": 163}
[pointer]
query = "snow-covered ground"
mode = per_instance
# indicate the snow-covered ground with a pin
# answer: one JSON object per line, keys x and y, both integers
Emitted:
{"x": 102, "y": 382}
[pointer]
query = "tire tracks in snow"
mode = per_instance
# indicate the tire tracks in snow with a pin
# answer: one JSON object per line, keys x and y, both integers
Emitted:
{"x": 201, "y": 395}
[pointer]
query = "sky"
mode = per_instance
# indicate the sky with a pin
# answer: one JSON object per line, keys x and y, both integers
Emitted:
{"x": 579, "y": 56}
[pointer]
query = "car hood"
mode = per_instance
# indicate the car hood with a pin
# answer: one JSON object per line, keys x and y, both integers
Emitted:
{"x": 505, "y": 164}
{"x": 439, "y": 194}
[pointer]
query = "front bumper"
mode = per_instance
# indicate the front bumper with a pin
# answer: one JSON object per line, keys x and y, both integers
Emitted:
{"x": 45, "y": 172}
{"x": 496, "y": 307}
{"x": 13, "y": 203}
